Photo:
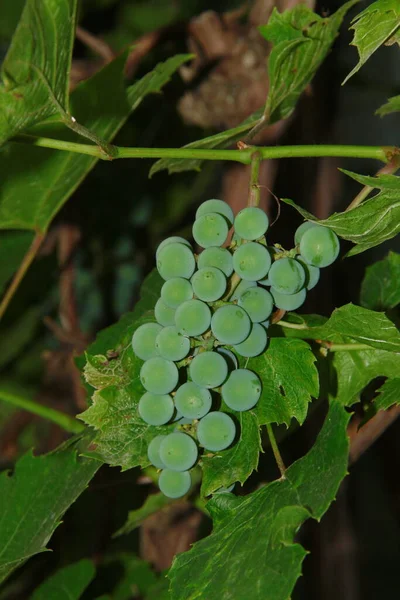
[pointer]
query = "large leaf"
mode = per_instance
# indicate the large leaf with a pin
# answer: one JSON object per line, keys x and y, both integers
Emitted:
{"x": 14, "y": 245}
{"x": 391, "y": 106}
{"x": 374, "y": 26}
{"x": 68, "y": 583}
{"x": 252, "y": 543}
{"x": 152, "y": 504}
{"x": 39, "y": 181}
{"x": 380, "y": 289}
{"x": 35, "y": 73}
{"x": 34, "y": 498}
{"x": 389, "y": 394}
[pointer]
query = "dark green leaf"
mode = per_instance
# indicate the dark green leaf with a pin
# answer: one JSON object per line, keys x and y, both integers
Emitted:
{"x": 34, "y": 498}
{"x": 14, "y": 245}
{"x": 152, "y": 504}
{"x": 389, "y": 394}
{"x": 138, "y": 577}
{"x": 373, "y": 27}
{"x": 11, "y": 14}
{"x": 380, "y": 289}
{"x": 391, "y": 106}
{"x": 18, "y": 335}
{"x": 68, "y": 583}
{"x": 252, "y": 543}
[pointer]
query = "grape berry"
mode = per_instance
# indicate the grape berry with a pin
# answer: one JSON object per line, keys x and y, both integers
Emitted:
{"x": 214, "y": 309}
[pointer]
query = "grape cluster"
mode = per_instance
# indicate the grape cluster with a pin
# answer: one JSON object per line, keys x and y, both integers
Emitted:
{"x": 213, "y": 308}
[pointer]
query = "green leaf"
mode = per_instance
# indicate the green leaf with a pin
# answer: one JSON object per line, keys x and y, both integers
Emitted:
{"x": 138, "y": 578}
{"x": 153, "y": 503}
{"x": 236, "y": 464}
{"x": 380, "y": 289}
{"x": 373, "y": 27}
{"x": 68, "y": 583}
{"x": 14, "y": 245}
{"x": 289, "y": 378}
{"x": 102, "y": 104}
{"x": 391, "y": 106}
{"x": 35, "y": 73}
{"x": 389, "y": 394}
{"x": 252, "y": 543}
{"x": 34, "y": 498}
{"x": 301, "y": 40}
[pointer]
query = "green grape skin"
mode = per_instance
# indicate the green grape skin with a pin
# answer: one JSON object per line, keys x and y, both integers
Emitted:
{"x": 176, "y": 260}
{"x": 230, "y": 324}
{"x": 209, "y": 284}
{"x": 258, "y": 303}
{"x": 210, "y": 230}
{"x": 216, "y": 431}
{"x": 241, "y": 288}
{"x": 178, "y": 451}
{"x": 208, "y": 369}
{"x": 288, "y": 302}
{"x": 156, "y": 409}
{"x": 230, "y": 358}
{"x": 175, "y": 291}
{"x": 217, "y": 257}
{"x": 159, "y": 376}
{"x": 251, "y": 223}
{"x": 287, "y": 276}
{"x": 215, "y": 206}
{"x": 242, "y": 390}
{"x": 153, "y": 452}
{"x": 164, "y": 314}
{"x": 251, "y": 261}
{"x": 192, "y": 318}
{"x": 175, "y": 239}
{"x": 174, "y": 484}
{"x": 171, "y": 344}
{"x": 312, "y": 274}
{"x": 254, "y": 344}
{"x": 144, "y": 340}
{"x": 192, "y": 401}
{"x": 319, "y": 246}
{"x": 300, "y": 231}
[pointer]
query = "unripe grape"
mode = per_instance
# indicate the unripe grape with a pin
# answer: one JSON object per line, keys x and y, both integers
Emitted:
{"x": 258, "y": 303}
{"x": 209, "y": 284}
{"x": 287, "y": 276}
{"x": 171, "y": 344}
{"x": 210, "y": 230}
{"x": 217, "y": 257}
{"x": 144, "y": 340}
{"x": 174, "y": 484}
{"x": 192, "y": 401}
{"x": 230, "y": 324}
{"x": 176, "y": 260}
{"x": 319, "y": 246}
{"x": 192, "y": 318}
{"x": 300, "y": 231}
{"x": 216, "y": 431}
{"x": 153, "y": 452}
{"x": 251, "y": 261}
{"x": 251, "y": 223}
{"x": 159, "y": 376}
{"x": 156, "y": 409}
{"x": 288, "y": 301}
{"x": 171, "y": 240}
{"x": 175, "y": 291}
{"x": 254, "y": 344}
{"x": 215, "y": 206}
{"x": 164, "y": 314}
{"x": 208, "y": 369}
{"x": 242, "y": 390}
{"x": 178, "y": 451}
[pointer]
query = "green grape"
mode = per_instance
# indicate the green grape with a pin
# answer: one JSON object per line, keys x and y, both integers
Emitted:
{"x": 192, "y": 401}
{"x": 242, "y": 391}
{"x": 175, "y": 291}
{"x": 312, "y": 274}
{"x": 172, "y": 240}
{"x": 241, "y": 288}
{"x": 208, "y": 369}
{"x": 251, "y": 261}
{"x": 176, "y": 260}
{"x": 319, "y": 246}
{"x": 210, "y": 230}
{"x": 153, "y": 452}
{"x": 230, "y": 324}
{"x": 144, "y": 340}
{"x": 192, "y": 318}
{"x": 174, "y": 484}
{"x": 251, "y": 223}
{"x": 230, "y": 358}
{"x": 254, "y": 344}
{"x": 156, "y": 409}
{"x": 164, "y": 314}
{"x": 300, "y": 231}
{"x": 287, "y": 276}
{"x": 178, "y": 451}
{"x": 209, "y": 284}
{"x": 288, "y": 301}
{"x": 216, "y": 431}
{"x": 158, "y": 375}
{"x": 217, "y": 257}
{"x": 215, "y": 206}
{"x": 171, "y": 344}
{"x": 258, "y": 303}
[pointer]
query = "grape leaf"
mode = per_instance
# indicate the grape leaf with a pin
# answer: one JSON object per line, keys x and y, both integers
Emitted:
{"x": 380, "y": 288}
{"x": 35, "y": 73}
{"x": 374, "y": 26}
{"x": 252, "y": 543}
{"x": 138, "y": 576}
{"x": 14, "y": 245}
{"x": 391, "y": 106}
{"x": 289, "y": 378}
{"x": 39, "y": 181}
{"x": 34, "y": 498}
{"x": 389, "y": 394}
{"x": 152, "y": 504}
{"x": 68, "y": 583}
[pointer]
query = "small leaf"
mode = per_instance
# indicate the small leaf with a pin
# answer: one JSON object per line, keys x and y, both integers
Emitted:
{"x": 389, "y": 394}
{"x": 391, "y": 106}
{"x": 137, "y": 577}
{"x": 373, "y": 27}
{"x": 252, "y": 543}
{"x": 152, "y": 504}
{"x": 68, "y": 583}
{"x": 380, "y": 289}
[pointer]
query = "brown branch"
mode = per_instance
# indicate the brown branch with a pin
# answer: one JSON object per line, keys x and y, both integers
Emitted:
{"x": 362, "y": 439}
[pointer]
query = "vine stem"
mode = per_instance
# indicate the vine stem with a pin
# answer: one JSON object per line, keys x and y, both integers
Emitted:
{"x": 61, "y": 419}
{"x": 275, "y": 450}
{"x": 244, "y": 155}
{"x": 292, "y": 325}
{"x": 254, "y": 192}
{"x": 331, "y": 347}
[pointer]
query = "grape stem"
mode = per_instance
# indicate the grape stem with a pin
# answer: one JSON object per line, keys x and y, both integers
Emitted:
{"x": 275, "y": 450}
{"x": 254, "y": 192}
{"x": 292, "y": 325}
